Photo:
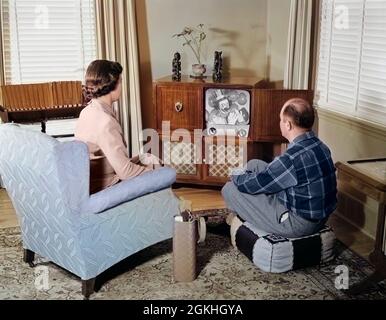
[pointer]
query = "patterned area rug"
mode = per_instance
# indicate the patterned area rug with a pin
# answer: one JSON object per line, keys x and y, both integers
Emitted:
{"x": 224, "y": 274}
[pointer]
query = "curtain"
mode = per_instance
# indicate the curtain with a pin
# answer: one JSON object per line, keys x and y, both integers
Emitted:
{"x": 2, "y": 66}
{"x": 2, "y": 69}
{"x": 117, "y": 41}
{"x": 301, "y": 44}
{"x": 2, "y": 57}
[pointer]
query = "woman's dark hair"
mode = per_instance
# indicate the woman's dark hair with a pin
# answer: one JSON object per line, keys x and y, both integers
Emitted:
{"x": 300, "y": 112}
{"x": 101, "y": 78}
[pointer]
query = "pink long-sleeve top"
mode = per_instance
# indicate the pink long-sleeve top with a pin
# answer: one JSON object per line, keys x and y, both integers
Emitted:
{"x": 98, "y": 127}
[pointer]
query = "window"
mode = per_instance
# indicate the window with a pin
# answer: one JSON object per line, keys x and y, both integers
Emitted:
{"x": 352, "y": 58}
{"x": 48, "y": 40}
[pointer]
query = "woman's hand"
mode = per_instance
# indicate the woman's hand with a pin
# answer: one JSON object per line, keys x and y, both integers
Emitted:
{"x": 150, "y": 161}
{"x": 135, "y": 160}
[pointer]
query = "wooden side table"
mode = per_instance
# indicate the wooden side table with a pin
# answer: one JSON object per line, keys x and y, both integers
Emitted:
{"x": 369, "y": 176}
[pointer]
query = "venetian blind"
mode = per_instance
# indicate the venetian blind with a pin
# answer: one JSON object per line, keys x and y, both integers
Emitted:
{"x": 372, "y": 82}
{"x": 352, "y": 58}
{"x": 48, "y": 40}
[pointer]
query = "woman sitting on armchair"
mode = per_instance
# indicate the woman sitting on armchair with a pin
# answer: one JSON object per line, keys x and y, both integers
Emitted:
{"x": 99, "y": 129}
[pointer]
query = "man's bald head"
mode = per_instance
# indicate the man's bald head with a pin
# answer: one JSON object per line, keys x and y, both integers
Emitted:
{"x": 300, "y": 112}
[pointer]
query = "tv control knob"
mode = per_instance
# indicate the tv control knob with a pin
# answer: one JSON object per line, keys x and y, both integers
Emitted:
{"x": 242, "y": 133}
{"x": 212, "y": 131}
{"x": 179, "y": 107}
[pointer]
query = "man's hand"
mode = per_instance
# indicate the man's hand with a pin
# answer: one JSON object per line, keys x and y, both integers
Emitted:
{"x": 237, "y": 172}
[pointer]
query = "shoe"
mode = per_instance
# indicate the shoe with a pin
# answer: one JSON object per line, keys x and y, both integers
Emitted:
{"x": 230, "y": 217}
{"x": 235, "y": 224}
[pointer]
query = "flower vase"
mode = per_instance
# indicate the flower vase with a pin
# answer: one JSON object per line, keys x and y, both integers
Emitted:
{"x": 198, "y": 71}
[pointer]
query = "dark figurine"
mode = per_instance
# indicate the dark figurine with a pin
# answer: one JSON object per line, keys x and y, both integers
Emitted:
{"x": 217, "y": 71}
{"x": 177, "y": 67}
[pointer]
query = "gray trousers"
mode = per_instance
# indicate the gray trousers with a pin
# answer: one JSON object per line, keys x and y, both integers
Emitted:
{"x": 266, "y": 212}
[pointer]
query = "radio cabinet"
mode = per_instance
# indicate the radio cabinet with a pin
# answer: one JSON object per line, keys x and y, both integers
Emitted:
{"x": 181, "y": 105}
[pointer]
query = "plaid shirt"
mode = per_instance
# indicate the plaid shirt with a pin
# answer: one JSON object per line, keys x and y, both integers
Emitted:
{"x": 304, "y": 179}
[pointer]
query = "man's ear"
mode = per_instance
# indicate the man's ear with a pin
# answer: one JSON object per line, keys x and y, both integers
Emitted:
{"x": 289, "y": 125}
{"x": 287, "y": 122}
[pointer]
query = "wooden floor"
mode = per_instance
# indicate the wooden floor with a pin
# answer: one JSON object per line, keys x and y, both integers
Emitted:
{"x": 7, "y": 213}
{"x": 211, "y": 199}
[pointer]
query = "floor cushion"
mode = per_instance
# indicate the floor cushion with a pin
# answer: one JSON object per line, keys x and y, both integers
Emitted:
{"x": 276, "y": 254}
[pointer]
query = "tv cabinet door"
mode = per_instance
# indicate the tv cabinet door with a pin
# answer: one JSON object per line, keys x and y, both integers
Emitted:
{"x": 182, "y": 156}
{"x": 181, "y": 105}
{"x": 221, "y": 158}
{"x": 265, "y": 125}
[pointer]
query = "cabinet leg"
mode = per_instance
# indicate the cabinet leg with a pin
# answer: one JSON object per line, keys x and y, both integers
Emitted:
{"x": 368, "y": 282}
{"x": 4, "y": 116}
{"x": 44, "y": 126}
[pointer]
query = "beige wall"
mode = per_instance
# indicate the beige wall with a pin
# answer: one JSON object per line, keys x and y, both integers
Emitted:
{"x": 350, "y": 140}
{"x": 278, "y": 12}
{"x": 238, "y": 28}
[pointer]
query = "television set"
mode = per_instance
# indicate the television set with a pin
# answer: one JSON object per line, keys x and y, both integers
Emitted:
{"x": 227, "y": 112}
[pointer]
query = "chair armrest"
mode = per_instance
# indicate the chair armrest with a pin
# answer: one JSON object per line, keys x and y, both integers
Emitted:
{"x": 128, "y": 190}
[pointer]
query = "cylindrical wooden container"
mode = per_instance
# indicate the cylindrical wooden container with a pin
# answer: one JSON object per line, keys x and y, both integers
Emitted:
{"x": 184, "y": 251}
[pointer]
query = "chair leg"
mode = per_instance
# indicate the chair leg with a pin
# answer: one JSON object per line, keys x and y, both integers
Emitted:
{"x": 88, "y": 287}
{"x": 28, "y": 257}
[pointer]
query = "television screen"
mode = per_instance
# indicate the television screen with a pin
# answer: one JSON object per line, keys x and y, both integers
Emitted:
{"x": 227, "y": 111}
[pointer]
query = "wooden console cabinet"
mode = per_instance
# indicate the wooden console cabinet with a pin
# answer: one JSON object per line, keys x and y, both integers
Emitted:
{"x": 40, "y": 102}
{"x": 368, "y": 177}
{"x": 208, "y": 160}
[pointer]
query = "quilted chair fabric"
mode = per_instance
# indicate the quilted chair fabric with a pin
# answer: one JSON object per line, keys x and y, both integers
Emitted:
{"x": 48, "y": 183}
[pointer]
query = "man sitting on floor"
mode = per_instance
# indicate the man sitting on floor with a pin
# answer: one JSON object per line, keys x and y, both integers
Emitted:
{"x": 294, "y": 195}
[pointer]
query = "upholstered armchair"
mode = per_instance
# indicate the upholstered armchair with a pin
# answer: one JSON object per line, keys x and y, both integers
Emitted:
{"x": 48, "y": 183}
